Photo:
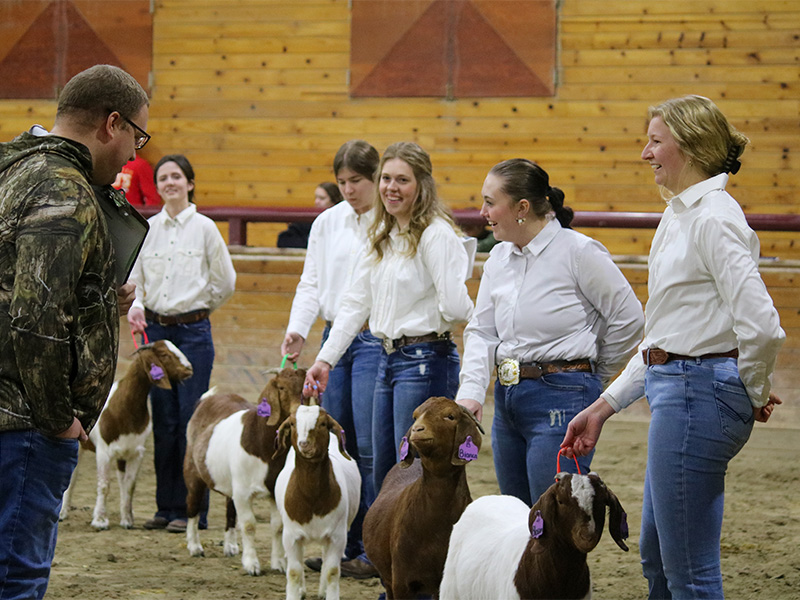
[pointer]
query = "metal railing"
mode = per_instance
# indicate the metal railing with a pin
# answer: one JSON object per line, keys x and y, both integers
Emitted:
{"x": 238, "y": 218}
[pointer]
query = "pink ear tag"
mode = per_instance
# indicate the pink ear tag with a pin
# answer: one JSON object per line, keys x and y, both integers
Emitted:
{"x": 468, "y": 451}
{"x": 404, "y": 448}
{"x": 156, "y": 372}
{"x": 537, "y": 529}
{"x": 264, "y": 409}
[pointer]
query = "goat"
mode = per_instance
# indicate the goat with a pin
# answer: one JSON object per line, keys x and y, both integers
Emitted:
{"x": 407, "y": 528}
{"x": 317, "y": 494}
{"x": 124, "y": 424}
{"x": 229, "y": 449}
{"x": 502, "y": 549}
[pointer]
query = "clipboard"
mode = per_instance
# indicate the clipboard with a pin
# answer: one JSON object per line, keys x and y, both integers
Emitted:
{"x": 126, "y": 227}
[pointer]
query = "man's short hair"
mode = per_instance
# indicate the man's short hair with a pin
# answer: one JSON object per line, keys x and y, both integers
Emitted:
{"x": 99, "y": 90}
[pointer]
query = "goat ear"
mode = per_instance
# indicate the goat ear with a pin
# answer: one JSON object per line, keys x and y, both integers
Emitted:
{"x": 334, "y": 426}
{"x": 617, "y": 520}
{"x": 154, "y": 368}
{"x": 284, "y": 432}
{"x": 273, "y": 398}
{"x": 543, "y": 514}
{"x": 467, "y": 441}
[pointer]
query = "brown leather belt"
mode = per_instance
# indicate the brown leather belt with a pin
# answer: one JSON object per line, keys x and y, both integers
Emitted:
{"x": 181, "y": 319}
{"x": 656, "y": 356}
{"x": 406, "y": 340}
{"x": 536, "y": 370}
{"x": 364, "y": 327}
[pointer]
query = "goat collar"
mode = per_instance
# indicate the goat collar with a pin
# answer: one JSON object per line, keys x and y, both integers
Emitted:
{"x": 144, "y": 340}
{"x": 558, "y": 462}
{"x": 285, "y": 358}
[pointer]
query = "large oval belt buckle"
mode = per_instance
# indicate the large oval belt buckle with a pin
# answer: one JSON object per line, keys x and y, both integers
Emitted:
{"x": 508, "y": 371}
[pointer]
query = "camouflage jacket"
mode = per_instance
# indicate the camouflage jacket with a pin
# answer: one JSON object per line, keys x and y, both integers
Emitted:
{"x": 59, "y": 320}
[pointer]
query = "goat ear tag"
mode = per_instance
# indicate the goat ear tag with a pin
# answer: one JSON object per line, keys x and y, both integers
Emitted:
{"x": 404, "y": 448}
{"x": 156, "y": 372}
{"x": 468, "y": 451}
{"x": 537, "y": 529}
{"x": 264, "y": 409}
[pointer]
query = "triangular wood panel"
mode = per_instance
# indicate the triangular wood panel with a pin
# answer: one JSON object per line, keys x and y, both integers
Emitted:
{"x": 453, "y": 48}
{"x": 60, "y": 41}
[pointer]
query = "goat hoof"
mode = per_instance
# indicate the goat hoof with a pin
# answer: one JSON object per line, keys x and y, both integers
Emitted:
{"x": 196, "y": 550}
{"x": 254, "y": 569}
{"x": 230, "y": 550}
{"x": 100, "y": 524}
{"x": 62, "y": 515}
{"x": 126, "y": 524}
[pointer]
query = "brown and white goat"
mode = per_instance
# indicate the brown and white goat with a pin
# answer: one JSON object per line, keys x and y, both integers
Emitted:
{"x": 407, "y": 528}
{"x": 317, "y": 494}
{"x": 229, "y": 448}
{"x": 502, "y": 549}
{"x": 124, "y": 424}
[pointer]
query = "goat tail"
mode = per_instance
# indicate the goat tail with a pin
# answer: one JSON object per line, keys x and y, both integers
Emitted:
{"x": 209, "y": 393}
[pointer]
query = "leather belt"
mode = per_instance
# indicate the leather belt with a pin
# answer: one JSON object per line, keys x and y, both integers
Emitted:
{"x": 407, "y": 340}
{"x": 510, "y": 371}
{"x": 181, "y": 319}
{"x": 656, "y": 356}
{"x": 364, "y": 327}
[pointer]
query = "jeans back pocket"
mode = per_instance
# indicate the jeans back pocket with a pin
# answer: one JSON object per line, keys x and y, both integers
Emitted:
{"x": 735, "y": 412}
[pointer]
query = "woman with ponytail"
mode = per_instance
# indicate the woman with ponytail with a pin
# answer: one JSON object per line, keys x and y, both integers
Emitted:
{"x": 710, "y": 345}
{"x": 554, "y": 315}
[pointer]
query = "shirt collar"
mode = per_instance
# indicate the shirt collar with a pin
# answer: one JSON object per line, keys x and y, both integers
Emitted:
{"x": 183, "y": 216}
{"x": 691, "y": 195}
{"x": 542, "y": 239}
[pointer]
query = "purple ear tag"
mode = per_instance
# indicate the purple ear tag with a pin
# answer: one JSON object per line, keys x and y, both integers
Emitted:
{"x": 156, "y": 372}
{"x": 264, "y": 409}
{"x": 468, "y": 451}
{"x": 623, "y": 526}
{"x": 404, "y": 448}
{"x": 537, "y": 529}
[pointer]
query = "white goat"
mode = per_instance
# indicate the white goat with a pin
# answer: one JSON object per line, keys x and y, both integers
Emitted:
{"x": 124, "y": 424}
{"x": 502, "y": 549}
{"x": 230, "y": 445}
{"x": 317, "y": 494}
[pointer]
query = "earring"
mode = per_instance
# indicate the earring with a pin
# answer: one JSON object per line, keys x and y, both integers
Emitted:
{"x": 521, "y": 220}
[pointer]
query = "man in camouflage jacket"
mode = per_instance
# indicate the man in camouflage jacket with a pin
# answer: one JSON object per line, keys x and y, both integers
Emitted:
{"x": 59, "y": 313}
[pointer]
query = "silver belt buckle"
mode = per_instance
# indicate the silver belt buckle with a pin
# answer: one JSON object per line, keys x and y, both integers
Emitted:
{"x": 508, "y": 371}
{"x": 388, "y": 345}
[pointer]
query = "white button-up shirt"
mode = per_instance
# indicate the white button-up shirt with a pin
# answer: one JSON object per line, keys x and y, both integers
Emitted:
{"x": 705, "y": 293}
{"x": 184, "y": 265}
{"x": 561, "y": 297}
{"x": 405, "y": 295}
{"x": 338, "y": 235}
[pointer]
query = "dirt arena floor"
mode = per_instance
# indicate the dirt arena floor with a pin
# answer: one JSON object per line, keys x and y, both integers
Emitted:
{"x": 760, "y": 540}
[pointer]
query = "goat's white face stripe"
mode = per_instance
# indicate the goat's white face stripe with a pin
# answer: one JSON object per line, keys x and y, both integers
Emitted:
{"x": 306, "y": 418}
{"x": 181, "y": 356}
{"x": 583, "y": 492}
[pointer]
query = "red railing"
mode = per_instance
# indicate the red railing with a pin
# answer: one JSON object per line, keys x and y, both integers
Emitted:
{"x": 239, "y": 216}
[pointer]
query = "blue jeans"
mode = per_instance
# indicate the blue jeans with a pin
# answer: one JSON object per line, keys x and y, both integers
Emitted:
{"x": 406, "y": 378}
{"x": 701, "y": 418}
{"x": 530, "y": 420}
{"x": 172, "y": 410}
{"x": 36, "y": 470}
{"x": 348, "y": 399}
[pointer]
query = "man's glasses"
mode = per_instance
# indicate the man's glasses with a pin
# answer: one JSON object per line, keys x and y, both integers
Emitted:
{"x": 142, "y": 137}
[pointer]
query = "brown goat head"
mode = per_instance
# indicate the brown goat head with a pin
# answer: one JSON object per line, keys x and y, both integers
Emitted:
{"x": 575, "y": 507}
{"x": 442, "y": 428}
{"x": 308, "y": 430}
{"x": 283, "y": 393}
{"x": 163, "y": 362}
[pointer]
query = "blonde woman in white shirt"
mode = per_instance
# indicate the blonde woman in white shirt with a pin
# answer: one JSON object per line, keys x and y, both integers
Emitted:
{"x": 338, "y": 237}
{"x": 554, "y": 316}
{"x": 411, "y": 285}
{"x": 183, "y": 273}
{"x": 711, "y": 341}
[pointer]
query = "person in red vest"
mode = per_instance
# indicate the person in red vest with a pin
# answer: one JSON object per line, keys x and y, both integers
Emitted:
{"x": 136, "y": 181}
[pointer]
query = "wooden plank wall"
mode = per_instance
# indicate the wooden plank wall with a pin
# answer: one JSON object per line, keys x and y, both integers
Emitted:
{"x": 255, "y": 92}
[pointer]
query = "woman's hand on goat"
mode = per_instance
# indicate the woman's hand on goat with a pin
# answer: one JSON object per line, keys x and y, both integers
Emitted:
{"x": 316, "y": 379}
{"x": 473, "y": 406}
{"x": 292, "y": 345}
{"x": 584, "y": 430}
{"x": 136, "y": 320}
{"x": 763, "y": 413}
